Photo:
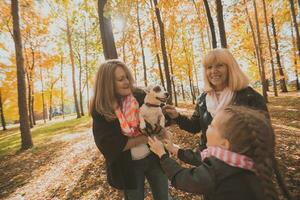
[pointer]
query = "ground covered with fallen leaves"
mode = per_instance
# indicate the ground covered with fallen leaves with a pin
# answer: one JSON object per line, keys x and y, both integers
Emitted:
{"x": 69, "y": 166}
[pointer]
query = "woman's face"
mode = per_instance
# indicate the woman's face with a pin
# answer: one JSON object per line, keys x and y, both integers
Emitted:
{"x": 122, "y": 85}
{"x": 214, "y": 132}
{"x": 217, "y": 75}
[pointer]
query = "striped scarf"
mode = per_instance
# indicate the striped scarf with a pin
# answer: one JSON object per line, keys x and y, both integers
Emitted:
{"x": 128, "y": 116}
{"x": 231, "y": 158}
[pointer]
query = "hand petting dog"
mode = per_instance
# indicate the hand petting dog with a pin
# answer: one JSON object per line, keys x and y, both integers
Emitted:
{"x": 158, "y": 146}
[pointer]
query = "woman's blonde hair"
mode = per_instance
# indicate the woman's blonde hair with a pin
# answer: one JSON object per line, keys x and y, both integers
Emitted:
{"x": 105, "y": 96}
{"x": 237, "y": 79}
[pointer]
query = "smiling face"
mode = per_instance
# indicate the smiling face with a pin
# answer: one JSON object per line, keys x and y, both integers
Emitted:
{"x": 217, "y": 75}
{"x": 122, "y": 83}
{"x": 214, "y": 132}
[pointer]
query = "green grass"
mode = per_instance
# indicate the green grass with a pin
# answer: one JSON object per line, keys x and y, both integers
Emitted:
{"x": 10, "y": 140}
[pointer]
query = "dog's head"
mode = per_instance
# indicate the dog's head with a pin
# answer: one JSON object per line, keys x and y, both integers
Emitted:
{"x": 156, "y": 95}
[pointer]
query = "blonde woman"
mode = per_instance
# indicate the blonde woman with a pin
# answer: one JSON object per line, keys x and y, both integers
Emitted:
{"x": 224, "y": 84}
{"x": 114, "y": 108}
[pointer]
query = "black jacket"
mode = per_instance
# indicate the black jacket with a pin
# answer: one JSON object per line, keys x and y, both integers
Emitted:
{"x": 201, "y": 118}
{"x": 213, "y": 178}
{"x": 111, "y": 142}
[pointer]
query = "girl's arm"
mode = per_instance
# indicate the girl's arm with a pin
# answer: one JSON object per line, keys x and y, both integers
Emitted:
{"x": 197, "y": 180}
{"x": 188, "y": 156}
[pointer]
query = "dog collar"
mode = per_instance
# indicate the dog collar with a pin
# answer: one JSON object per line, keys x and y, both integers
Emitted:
{"x": 151, "y": 105}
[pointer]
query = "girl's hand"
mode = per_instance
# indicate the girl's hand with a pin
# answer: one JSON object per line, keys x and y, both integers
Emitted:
{"x": 156, "y": 146}
{"x": 172, "y": 148}
{"x": 171, "y": 111}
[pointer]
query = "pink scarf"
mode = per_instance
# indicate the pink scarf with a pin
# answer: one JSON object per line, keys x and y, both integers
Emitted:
{"x": 229, "y": 157}
{"x": 128, "y": 116}
{"x": 215, "y": 104}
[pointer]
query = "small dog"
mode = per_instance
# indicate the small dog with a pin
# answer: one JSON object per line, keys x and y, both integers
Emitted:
{"x": 151, "y": 112}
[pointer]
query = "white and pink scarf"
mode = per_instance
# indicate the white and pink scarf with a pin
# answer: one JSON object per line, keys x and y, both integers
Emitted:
{"x": 128, "y": 116}
{"x": 231, "y": 158}
{"x": 214, "y": 104}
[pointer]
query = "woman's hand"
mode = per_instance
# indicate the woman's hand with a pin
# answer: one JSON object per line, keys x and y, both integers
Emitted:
{"x": 156, "y": 146}
{"x": 171, "y": 111}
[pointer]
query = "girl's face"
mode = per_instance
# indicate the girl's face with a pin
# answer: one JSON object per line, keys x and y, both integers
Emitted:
{"x": 217, "y": 75}
{"x": 214, "y": 132}
{"x": 122, "y": 84}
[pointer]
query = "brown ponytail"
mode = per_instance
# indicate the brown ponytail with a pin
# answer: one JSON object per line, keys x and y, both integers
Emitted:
{"x": 250, "y": 133}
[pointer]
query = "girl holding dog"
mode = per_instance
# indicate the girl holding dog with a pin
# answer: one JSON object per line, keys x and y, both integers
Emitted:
{"x": 238, "y": 163}
{"x": 114, "y": 108}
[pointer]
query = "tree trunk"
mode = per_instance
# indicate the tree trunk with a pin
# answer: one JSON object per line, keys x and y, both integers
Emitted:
{"x": 124, "y": 45}
{"x": 164, "y": 51}
{"x": 211, "y": 24}
{"x": 43, "y": 97}
{"x": 86, "y": 66}
{"x": 80, "y": 86}
{"x": 182, "y": 90}
{"x": 191, "y": 87}
{"x": 157, "y": 52}
{"x": 107, "y": 37}
{"x": 22, "y": 102}
{"x": 262, "y": 75}
{"x": 253, "y": 38}
{"x": 3, "y": 123}
{"x": 172, "y": 79}
{"x": 73, "y": 69}
{"x": 270, "y": 50}
{"x": 295, "y": 59}
{"x": 141, "y": 43}
{"x": 50, "y": 102}
{"x": 29, "y": 98}
{"x": 195, "y": 72}
{"x": 282, "y": 78}
{"x": 32, "y": 104}
{"x": 201, "y": 31}
{"x": 221, "y": 23}
{"x": 292, "y": 8}
{"x": 62, "y": 88}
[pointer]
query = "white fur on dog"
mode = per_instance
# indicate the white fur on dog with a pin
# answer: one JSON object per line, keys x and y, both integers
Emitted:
{"x": 153, "y": 115}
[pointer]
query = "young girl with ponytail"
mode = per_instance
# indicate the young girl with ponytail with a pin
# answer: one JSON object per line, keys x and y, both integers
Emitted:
{"x": 238, "y": 163}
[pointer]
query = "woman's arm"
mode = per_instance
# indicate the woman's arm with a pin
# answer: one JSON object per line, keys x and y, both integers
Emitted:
{"x": 108, "y": 137}
{"x": 133, "y": 142}
{"x": 191, "y": 125}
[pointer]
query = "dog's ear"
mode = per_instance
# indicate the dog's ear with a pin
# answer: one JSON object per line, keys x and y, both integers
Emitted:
{"x": 148, "y": 89}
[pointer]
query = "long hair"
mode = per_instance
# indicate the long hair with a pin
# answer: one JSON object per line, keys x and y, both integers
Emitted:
{"x": 105, "y": 97}
{"x": 250, "y": 133}
{"x": 237, "y": 79}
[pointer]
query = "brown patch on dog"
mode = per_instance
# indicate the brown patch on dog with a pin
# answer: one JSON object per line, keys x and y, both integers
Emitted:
{"x": 157, "y": 89}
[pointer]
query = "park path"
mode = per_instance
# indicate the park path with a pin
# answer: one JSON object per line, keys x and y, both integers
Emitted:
{"x": 63, "y": 171}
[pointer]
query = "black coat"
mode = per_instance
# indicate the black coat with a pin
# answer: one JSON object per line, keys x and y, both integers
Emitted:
{"x": 201, "y": 118}
{"x": 111, "y": 142}
{"x": 212, "y": 178}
